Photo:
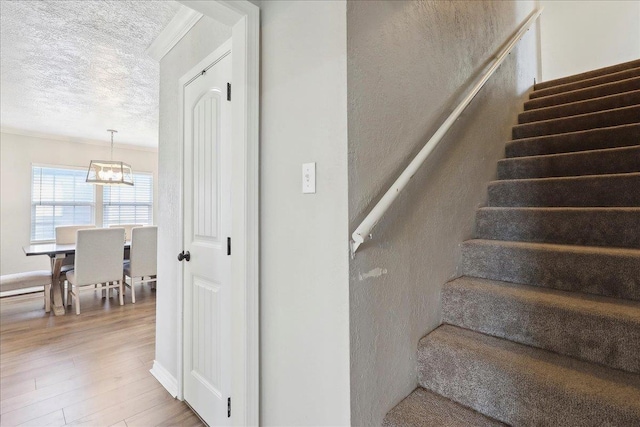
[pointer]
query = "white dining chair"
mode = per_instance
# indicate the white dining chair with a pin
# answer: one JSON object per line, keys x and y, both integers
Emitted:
{"x": 127, "y": 229}
{"x": 66, "y": 235}
{"x": 142, "y": 266}
{"x": 98, "y": 261}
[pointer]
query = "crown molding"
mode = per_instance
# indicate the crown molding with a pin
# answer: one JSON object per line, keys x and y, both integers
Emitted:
{"x": 174, "y": 31}
{"x": 75, "y": 140}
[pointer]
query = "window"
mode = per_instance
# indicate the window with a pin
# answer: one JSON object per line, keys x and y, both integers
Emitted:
{"x": 129, "y": 205}
{"x": 59, "y": 197}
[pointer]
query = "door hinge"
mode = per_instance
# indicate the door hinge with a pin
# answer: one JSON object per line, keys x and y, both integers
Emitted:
{"x": 228, "y": 91}
{"x": 228, "y": 245}
{"x": 229, "y": 407}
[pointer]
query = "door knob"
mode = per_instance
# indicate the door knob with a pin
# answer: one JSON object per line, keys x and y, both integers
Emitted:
{"x": 184, "y": 256}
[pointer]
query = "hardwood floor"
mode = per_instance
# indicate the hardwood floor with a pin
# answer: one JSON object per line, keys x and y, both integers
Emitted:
{"x": 91, "y": 369}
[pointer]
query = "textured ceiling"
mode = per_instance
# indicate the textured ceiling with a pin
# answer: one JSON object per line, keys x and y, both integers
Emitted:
{"x": 77, "y": 68}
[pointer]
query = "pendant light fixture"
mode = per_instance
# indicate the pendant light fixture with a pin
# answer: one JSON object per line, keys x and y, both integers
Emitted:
{"x": 109, "y": 172}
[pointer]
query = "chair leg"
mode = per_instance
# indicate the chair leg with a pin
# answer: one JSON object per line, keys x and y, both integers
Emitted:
{"x": 121, "y": 288}
{"x": 65, "y": 293}
{"x": 76, "y": 296}
{"x": 133, "y": 291}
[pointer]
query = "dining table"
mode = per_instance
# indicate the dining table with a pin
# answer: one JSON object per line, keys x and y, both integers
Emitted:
{"x": 56, "y": 253}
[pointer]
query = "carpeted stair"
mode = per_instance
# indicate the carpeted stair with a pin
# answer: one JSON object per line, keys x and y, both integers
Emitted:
{"x": 543, "y": 326}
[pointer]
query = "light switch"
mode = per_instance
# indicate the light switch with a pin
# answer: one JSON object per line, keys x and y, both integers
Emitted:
{"x": 309, "y": 178}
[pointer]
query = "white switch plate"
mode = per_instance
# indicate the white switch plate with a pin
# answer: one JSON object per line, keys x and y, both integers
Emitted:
{"x": 309, "y": 178}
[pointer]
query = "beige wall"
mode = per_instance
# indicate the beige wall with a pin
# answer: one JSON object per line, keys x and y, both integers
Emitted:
{"x": 17, "y": 154}
{"x": 407, "y": 61}
{"x": 578, "y": 36}
{"x": 304, "y": 258}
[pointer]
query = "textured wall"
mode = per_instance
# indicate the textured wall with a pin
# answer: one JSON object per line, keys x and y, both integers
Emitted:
{"x": 585, "y": 35}
{"x": 17, "y": 154}
{"x": 304, "y": 260}
{"x": 77, "y": 68}
{"x": 406, "y": 63}
{"x": 202, "y": 40}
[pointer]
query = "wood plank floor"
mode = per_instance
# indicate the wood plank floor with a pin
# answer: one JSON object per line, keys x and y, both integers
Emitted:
{"x": 91, "y": 369}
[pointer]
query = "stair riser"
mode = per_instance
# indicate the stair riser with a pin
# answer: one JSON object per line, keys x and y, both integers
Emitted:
{"x": 584, "y": 94}
{"x": 596, "y": 81}
{"x": 423, "y": 406}
{"x": 597, "y": 273}
{"x": 595, "y": 191}
{"x": 607, "y": 118}
{"x": 587, "y": 336}
{"x": 580, "y": 141}
{"x": 598, "y": 162}
{"x": 589, "y": 74}
{"x": 570, "y": 227}
{"x": 582, "y": 107}
{"x": 512, "y": 393}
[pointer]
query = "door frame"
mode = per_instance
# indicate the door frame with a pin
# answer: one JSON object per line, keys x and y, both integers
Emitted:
{"x": 244, "y": 19}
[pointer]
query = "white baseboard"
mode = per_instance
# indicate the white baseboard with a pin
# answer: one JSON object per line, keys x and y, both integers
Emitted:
{"x": 163, "y": 376}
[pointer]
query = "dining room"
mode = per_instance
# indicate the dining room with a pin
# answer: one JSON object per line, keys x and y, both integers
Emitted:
{"x": 78, "y": 214}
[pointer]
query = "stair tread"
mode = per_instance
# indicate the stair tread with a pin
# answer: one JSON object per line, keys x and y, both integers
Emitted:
{"x": 573, "y": 153}
{"x": 592, "y": 328}
{"x": 586, "y": 226}
{"x": 579, "y": 116}
{"x": 617, "y": 100}
{"x": 577, "y": 133}
{"x": 561, "y": 208}
{"x": 424, "y": 408}
{"x": 600, "y": 270}
{"x": 574, "y": 390}
{"x": 610, "y": 176}
{"x": 584, "y": 140}
{"x": 565, "y": 300}
{"x": 594, "y": 120}
{"x": 586, "y": 93}
{"x": 558, "y": 247}
{"x": 603, "y": 161}
{"x": 588, "y": 74}
{"x": 588, "y": 82}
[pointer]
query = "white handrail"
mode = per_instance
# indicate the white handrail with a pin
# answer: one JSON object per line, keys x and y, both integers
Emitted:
{"x": 364, "y": 229}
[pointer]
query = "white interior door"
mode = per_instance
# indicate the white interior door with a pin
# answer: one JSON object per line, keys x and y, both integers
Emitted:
{"x": 207, "y": 226}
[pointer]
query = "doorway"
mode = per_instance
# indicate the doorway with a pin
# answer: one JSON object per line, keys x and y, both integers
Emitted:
{"x": 243, "y": 18}
{"x": 207, "y": 239}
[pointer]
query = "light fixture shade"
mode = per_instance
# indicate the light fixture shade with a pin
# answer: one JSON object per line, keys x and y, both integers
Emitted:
{"x": 109, "y": 172}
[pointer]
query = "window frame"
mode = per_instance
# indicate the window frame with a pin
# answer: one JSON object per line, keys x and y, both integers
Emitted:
{"x": 104, "y": 204}
{"x": 98, "y": 199}
{"x": 94, "y": 205}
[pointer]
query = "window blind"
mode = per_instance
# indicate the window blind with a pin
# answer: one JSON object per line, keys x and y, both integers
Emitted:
{"x": 129, "y": 205}
{"x": 59, "y": 197}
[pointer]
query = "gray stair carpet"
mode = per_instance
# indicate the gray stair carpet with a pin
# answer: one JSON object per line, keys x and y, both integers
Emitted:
{"x": 524, "y": 385}
{"x": 542, "y": 328}
{"x": 581, "y": 84}
{"x": 592, "y": 139}
{"x": 589, "y": 74}
{"x": 592, "y": 162}
{"x": 598, "y": 91}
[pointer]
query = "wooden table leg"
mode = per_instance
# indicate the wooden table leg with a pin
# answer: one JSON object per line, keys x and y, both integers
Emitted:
{"x": 57, "y": 287}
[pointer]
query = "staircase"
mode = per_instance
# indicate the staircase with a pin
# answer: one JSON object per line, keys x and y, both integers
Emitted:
{"x": 543, "y": 327}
